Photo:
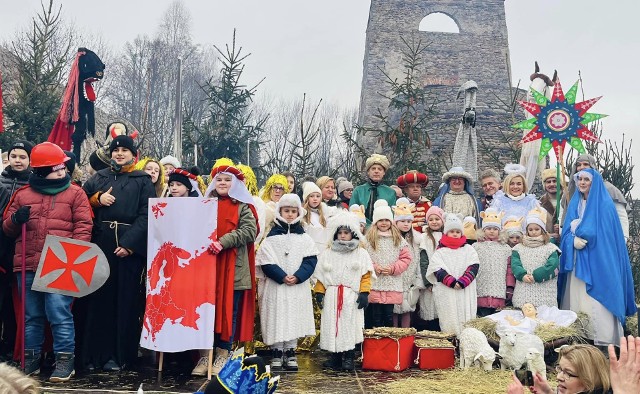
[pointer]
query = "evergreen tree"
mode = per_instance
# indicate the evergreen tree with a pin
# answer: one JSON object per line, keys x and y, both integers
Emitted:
{"x": 401, "y": 128}
{"x": 39, "y": 57}
{"x": 230, "y": 129}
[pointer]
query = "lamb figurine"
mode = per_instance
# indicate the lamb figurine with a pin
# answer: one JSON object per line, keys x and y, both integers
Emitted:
{"x": 535, "y": 362}
{"x": 474, "y": 347}
{"x": 514, "y": 347}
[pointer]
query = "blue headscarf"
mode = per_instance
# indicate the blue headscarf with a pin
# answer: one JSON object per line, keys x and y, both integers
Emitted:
{"x": 444, "y": 189}
{"x": 603, "y": 264}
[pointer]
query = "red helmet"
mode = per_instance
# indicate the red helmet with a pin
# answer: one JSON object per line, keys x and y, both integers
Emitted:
{"x": 47, "y": 154}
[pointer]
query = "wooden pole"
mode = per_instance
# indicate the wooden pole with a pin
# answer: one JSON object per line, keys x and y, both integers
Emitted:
{"x": 160, "y": 361}
{"x": 210, "y": 364}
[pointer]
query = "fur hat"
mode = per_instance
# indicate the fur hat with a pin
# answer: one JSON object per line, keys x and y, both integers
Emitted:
{"x": 358, "y": 212}
{"x": 491, "y": 217}
{"x": 377, "y": 159}
{"x": 290, "y": 200}
{"x": 537, "y": 216}
{"x": 452, "y": 221}
{"x": 308, "y": 188}
{"x": 402, "y": 209}
{"x": 341, "y": 220}
{"x": 170, "y": 160}
{"x": 344, "y": 185}
{"x": 412, "y": 176}
{"x": 381, "y": 210}
{"x": 456, "y": 172}
{"x": 123, "y": 141}
{"x": 434, "y": 210}
{"x": 513, "y": 225}
{"x": 469, "y": 227}
{"x": 548, "y": 173}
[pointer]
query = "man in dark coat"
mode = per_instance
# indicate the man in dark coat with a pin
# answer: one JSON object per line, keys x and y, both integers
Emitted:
{"x": 119, "y": 196}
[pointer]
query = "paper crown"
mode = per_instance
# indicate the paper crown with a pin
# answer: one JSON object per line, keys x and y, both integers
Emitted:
{"x": 513, "y": 224}
{"x": 469, "y": 227}
{"x": 537, "y": 216}
{"x": 491, "y": 217}
{"x": 402, "y": 209}
{"x": 358, "y": 212}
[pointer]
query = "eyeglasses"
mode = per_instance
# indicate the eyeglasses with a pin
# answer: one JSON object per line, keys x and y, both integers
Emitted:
{"x": 347, "y": 190}
{"x": 278, "y": 188}
{"x": 565, "y": 373}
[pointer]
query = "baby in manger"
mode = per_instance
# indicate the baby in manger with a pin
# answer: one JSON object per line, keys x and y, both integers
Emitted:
{"x": 530, "y": 317}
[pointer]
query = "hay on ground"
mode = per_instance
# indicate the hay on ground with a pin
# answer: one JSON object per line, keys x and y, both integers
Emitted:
{"x": 632, "y": 325}
{"x": 487, "y": 326}
{"x": 469, "y": 381}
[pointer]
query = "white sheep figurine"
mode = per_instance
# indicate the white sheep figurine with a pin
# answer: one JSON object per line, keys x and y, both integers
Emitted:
{"x": 474, "y": 347}
{"x": 514, "y": 347}
{"x": 535, "y": 362}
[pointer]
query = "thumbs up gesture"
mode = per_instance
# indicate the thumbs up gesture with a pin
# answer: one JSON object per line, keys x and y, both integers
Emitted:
{"x": 106, "y": 198}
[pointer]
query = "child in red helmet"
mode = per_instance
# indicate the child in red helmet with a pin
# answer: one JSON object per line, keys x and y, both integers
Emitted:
{"x": 49, "y": 204}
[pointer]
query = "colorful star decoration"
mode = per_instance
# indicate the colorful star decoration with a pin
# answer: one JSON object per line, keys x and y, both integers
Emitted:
{"x": 559, "y": 120}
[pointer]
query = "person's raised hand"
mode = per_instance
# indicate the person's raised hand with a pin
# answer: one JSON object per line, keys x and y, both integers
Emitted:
{"x": 107, "y": 199}
{"x": 625, "y": 370}
{"x": 515, "y": 387}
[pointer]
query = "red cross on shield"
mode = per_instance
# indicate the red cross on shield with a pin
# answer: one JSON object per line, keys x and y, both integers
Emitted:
{"x": 70, "y": 267}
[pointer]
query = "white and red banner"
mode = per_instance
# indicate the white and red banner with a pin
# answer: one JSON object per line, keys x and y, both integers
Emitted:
{"x": 180, "y": 308}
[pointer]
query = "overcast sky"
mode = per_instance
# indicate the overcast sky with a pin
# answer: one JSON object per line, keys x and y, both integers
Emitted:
{"x": 317, "y": 47}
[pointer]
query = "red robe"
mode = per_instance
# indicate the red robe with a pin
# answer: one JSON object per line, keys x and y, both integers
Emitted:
{"x": 419, "y": 214}
{"x": 225, "y": 277}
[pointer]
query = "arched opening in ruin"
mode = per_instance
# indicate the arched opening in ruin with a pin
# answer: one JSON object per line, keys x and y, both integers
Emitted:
{"x": 439, "y": 22}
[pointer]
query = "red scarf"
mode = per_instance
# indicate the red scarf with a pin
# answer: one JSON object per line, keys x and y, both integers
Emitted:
{"x": 228, "y": 218}
{"x": 452, "y": 243}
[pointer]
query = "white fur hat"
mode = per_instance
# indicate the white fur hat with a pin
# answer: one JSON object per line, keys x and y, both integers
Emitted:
{"x": 290, "y": 200}
{"x": 308, "y": 188}
{"x": 170, "y": 160}
{"x": 452, "y": 222}
{"x": 381, "y": 210}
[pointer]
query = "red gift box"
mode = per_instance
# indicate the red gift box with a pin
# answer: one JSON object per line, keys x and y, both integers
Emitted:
{"x": 387, "y": 354}
{"x": 435, "y": 358}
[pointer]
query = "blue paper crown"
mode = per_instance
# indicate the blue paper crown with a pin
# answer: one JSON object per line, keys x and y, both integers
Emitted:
{"x": 238, "y": 378}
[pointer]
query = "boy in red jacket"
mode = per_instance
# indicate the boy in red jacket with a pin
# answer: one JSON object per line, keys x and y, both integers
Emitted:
{"x": 49, "y": 204}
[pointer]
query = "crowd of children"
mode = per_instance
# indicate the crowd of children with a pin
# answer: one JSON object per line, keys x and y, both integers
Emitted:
{"x": 364, "y": 266}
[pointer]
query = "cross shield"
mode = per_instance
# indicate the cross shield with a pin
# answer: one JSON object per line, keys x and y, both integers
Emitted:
{"x": 70, "y": 267}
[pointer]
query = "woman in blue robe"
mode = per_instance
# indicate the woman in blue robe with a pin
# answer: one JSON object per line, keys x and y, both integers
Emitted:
{"x": 595, "y": 272}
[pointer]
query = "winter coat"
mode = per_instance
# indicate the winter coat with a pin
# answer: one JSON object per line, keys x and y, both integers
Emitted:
{"x": 66, "y": 214}
{"x": 14, "y": 180}
{"x": 427, "y": 303}
{"x": 362, "y": 193}
{"x": 244, "y": 233}
{"x": 128, "y": 215}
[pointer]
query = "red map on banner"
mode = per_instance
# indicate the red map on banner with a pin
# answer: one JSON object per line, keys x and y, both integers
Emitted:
{"x": 177, "y": 303}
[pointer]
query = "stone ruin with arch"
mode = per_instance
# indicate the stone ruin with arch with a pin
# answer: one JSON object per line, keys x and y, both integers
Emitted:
{"x": 478, "y": 51}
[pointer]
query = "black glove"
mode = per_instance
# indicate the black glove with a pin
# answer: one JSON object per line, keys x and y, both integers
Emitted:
{"x": 363, "y": 300}
{"x": 320, "y": 300}
{"x": 21, "y": 216}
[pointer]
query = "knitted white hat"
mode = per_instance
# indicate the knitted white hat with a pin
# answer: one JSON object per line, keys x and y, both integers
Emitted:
{"x": 402, "y": 209}
{"x": 170, "y": 160}
{"x": 308, "y": 188}
{"x": 381, "y": 210}
{"x": 452, "y": 222}
{"x": 537, "y": 216}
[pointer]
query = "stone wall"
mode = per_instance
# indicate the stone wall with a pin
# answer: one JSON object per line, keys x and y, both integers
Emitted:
{"x": 479, "y": 52}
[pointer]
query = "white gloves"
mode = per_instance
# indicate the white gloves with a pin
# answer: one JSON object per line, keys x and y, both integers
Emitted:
{"x": 579, "y": 243}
